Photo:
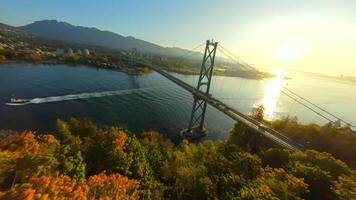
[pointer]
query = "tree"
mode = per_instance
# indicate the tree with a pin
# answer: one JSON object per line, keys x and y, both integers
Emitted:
{"x": 274, "y": 184}
{"x": 71, "y": 58}
{"x": 275, "y": 158}
{"x": 340, "y": 142}
{"x": 319, "y": 170}
{"x": 323, "y": 160}
{"x": 345, "y": 187}
{"x": 100, "y": 186}
{"x": 97, "y": 145}
{"x": 2, "y": 58}
{"x": 231, "y": 169}
{"x": 34, "y": 57}
{"x": 160, "y": 149}
{"x": 112, "y": 186}
{"x": 24, "y": 155}
{"x": 248, "y": 139}
{"x": 186, "y": 170}
{"x": 319, "y": 181}
{"x": 71, "y": 163}
{"x": 92, "y": 162}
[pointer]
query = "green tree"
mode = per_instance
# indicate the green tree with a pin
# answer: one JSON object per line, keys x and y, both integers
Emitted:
{"x": 2, "y": 58}
{"x": 274, "y": 184}
{"x": 247, "y": 138}
{"x": 345, "y": 187}
{"x": 96, "y": 144}
{"x": 319, "y": 170}
{"x": 231, "y": 169}
{"x": 319, "y": 181}
{"x": 340, "y": 142}
{"x": 275, "y": 158}
{"x": 186, "y": 172}
{"x": 159, "y": 150}
{"x": 71, "y": 163}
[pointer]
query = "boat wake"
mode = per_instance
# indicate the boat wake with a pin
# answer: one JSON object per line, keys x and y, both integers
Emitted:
{"x": 76, "y": 96}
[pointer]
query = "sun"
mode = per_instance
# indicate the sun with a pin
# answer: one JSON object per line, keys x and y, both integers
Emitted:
{"x": 291, "y": 49}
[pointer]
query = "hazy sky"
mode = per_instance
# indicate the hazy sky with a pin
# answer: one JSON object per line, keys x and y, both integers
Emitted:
{"x": 309, "y": 35}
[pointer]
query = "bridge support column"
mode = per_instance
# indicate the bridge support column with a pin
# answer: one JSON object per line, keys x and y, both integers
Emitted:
{"x": 196, "y": 124}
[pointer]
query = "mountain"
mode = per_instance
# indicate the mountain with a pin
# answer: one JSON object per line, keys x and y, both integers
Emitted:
{"x": 10, "y": 30}
{"x": 93, "y": 36}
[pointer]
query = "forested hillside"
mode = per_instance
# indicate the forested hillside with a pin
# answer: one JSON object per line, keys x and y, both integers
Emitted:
{"x": 84, "y": 161}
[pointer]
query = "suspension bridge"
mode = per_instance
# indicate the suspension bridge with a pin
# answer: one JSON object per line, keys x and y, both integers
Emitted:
{"x": 202, "y": 97}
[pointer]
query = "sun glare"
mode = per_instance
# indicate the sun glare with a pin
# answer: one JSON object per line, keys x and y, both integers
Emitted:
{"x": 272, "y": 92}
{"x": 291, "y": 49}
{"x": 271, "y": 98}
{"x": 280, "y": 73}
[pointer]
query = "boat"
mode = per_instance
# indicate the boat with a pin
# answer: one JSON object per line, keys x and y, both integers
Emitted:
{"x": 16, "y": 100}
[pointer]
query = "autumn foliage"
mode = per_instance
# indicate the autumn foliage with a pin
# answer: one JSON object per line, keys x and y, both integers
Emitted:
{"x": 29, "y": 170}
{"x": 91, "y": 162}
{"x": 57, "y": 186}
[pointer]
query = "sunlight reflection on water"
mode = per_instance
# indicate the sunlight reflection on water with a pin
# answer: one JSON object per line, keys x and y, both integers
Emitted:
{"x": 271, "y": 97}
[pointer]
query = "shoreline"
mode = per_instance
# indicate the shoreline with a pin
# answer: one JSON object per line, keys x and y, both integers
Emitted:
{"x": 135, "y": 70}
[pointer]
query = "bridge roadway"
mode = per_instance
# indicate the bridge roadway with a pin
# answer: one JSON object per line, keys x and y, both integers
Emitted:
{"x": 232, "y": 113}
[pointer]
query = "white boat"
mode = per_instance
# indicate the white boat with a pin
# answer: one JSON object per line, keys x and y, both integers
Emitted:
{"x": 16, "y": 100}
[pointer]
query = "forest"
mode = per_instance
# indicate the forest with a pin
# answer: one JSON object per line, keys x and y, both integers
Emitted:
{"x": 82, "y": 160}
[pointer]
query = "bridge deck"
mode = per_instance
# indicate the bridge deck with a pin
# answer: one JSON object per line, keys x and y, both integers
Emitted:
{"x": 232, "y": 113}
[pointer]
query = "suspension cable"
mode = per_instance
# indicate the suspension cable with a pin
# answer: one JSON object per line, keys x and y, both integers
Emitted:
{"x": 192, "y": 51}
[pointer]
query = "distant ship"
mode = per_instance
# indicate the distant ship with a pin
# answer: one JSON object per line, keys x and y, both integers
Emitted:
{"x": 14, "y": 101}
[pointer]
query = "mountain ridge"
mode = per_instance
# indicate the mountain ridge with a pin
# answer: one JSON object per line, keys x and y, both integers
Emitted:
{"x": 94, "y": 36}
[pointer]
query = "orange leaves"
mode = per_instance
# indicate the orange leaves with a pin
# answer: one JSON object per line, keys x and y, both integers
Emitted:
{"x": 27, "y": 142}
{"x": 119, "y": 141}
{"x": 45, "y": 187}
{"x": 28, "y": 194}
{"x": 26, "y": 154}
{"x": 48, "y": 139}
{"x": 114, "y": 186}
{"x": 100, "y": 186}
{"x": 291, "y": 183}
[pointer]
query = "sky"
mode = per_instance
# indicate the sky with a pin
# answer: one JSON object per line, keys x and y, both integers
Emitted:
{"x": 307, "y": 35}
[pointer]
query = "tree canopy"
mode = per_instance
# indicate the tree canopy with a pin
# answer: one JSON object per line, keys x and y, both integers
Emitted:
{"x": 84, "y": 161}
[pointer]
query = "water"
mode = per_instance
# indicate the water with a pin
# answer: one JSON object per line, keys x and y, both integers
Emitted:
{"x": 151, "y": 102}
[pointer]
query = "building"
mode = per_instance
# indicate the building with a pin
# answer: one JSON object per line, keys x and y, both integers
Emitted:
{"x": 86, "y": 52}
{"x": 59, "y": 51}
{"x": 79, "y": 52}
{"x": 148, "y": 56}
{"x": 69, "y": 50}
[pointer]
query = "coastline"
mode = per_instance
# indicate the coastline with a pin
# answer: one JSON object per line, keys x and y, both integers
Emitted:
{"x": 134, "y": 69}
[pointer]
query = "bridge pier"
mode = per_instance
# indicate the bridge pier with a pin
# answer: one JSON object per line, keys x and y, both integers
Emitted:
{"x": 196, "y": 128}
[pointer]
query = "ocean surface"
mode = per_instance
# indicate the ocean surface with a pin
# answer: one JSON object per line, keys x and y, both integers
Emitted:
{"x": 151, "y": 102}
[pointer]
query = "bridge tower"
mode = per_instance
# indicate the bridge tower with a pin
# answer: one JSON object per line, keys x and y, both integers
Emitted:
{"x": 196, "y": 124}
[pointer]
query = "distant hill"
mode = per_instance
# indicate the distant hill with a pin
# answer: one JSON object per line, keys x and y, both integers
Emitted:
{"x": 93, "y": 36}
{"x": 6, "y": 29}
